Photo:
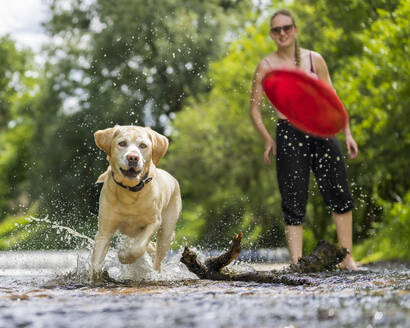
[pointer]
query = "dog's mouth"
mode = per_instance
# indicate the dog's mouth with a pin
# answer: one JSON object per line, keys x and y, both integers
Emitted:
{"x": 132, "y": 172}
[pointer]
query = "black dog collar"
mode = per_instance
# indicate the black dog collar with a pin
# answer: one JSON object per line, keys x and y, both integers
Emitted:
{"x": 145, "y": 179}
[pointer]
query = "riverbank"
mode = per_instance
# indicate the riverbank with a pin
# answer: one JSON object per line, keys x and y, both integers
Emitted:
{"x": 378, "y": 295}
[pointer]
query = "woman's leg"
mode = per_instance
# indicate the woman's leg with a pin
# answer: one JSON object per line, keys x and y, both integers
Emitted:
{"x": 344, "y": 235}
{"x": 294, "y": 237}
{"x": 330, "y": 172}
{"x": 293, "y": 170}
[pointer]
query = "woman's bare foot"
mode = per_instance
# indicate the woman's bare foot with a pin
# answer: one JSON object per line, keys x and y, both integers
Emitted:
{"x": 348, "y": 264}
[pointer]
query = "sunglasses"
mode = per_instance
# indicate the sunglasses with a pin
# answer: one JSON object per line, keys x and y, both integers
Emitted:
{"x": 279, "y": 29}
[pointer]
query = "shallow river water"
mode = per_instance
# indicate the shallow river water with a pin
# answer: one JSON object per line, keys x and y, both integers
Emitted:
{"x": 51, "y": 289}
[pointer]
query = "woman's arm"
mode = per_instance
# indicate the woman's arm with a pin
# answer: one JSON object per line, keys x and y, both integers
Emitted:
{"x": 256, "y": 115}
{"x": 323, "y": 73}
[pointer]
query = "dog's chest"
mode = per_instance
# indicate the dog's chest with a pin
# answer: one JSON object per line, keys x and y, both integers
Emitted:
{"x": 131, "y": 225}
{"x": 132, "y": 219}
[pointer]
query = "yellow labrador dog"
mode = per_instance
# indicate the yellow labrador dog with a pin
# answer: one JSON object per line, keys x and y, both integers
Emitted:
{"x": 137, "y": 198}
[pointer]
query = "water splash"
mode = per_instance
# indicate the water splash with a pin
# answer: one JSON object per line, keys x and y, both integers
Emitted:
{"x": 74, "y": 266}
{"x": 139, "y": 271}
{"x": 76, "y": 269}
{"x": 61, "y": 228}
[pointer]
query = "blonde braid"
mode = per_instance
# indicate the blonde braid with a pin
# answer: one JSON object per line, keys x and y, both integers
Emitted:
{"x": 297, "y": 53}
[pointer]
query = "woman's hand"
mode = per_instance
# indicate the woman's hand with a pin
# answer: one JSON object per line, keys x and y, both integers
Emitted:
{"x": 270, "y": 146}
{"x": 352, "y": 149}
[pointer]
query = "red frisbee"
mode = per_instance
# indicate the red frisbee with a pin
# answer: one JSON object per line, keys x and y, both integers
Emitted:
{"x": 307, "y": 102}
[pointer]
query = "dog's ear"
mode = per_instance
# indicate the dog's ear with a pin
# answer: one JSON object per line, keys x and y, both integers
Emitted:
{"x": 103, "y": 139}
{"x": 159, "y": 145}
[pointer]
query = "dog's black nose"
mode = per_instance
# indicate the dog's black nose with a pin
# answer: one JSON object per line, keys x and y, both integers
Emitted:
{"x": 132, "y": 160}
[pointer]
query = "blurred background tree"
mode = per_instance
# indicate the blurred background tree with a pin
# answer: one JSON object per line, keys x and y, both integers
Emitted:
{"x": 18, "y": 82}
{"x": 366, "y": 57}
{"x": 123, "y": 62}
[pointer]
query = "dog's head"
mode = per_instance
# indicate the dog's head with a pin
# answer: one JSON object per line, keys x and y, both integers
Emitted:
{"x": 131, "y": 150}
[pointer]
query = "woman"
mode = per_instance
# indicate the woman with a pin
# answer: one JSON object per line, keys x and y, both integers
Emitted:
{"x": 297, "y": 153}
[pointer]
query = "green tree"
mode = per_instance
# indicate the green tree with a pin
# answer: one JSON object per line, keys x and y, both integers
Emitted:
{"x": 123, "y": 62}
{"x": 333, "y": 28}
{"x": 217, "y": 155}
{"x": 13, "y": 64}
{"x": 342, "y": 33}
{"x": 17, "y": 88}
{"x": 375, "y": 88}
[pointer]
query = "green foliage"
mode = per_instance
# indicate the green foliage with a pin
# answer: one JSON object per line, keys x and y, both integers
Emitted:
{"x": 13, "y": 65}
{"x": 375, "y": 88}
{"x": 217, "y": 155}
{"x": 139, "y": 59}
{"x": 309, "y": 241}
{"x": 14, "y": 158}
{"x": 365, "y": 44}
{"x": 189, "y": 225}
{"x": 123, "y": 62}
{"x": 333, "y": 28}
{"x": 17, "y": 88}
{"x": 12, "y": 232}
{"x": 13, "y": 229}
{"x": 390, "y": 237}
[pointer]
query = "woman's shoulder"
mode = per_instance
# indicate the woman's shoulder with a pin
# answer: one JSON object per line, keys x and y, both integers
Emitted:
{"x": 267, "y": 60}
{"x": 316, "y": 57}
{"x": 265, "y": 64}
{"x": 310, "y": 56}
{"x": 308, "y": 52}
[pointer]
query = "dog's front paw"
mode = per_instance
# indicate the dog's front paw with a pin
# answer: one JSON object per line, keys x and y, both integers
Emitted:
{"x": 96, "y": 276}
{"x": 157, "y": 266}
{"x": 100, "y": 277}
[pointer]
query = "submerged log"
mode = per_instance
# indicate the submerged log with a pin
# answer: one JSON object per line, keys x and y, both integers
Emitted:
{"x": 324, "y": 257}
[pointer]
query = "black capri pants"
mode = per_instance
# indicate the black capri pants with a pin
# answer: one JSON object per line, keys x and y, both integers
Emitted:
{"x": 297, "y": 153}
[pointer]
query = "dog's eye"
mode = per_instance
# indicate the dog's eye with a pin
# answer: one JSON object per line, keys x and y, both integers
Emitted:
{"x": 122, "y": 143}
{"x": 142, "y": 146}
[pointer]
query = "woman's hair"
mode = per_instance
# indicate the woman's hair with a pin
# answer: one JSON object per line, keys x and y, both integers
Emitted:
{"x": 285, "y": 12}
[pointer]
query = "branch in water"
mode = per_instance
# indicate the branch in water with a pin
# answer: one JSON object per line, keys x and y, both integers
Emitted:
{"x": 324, "y": 257}
{"x": 217, "y": 263}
